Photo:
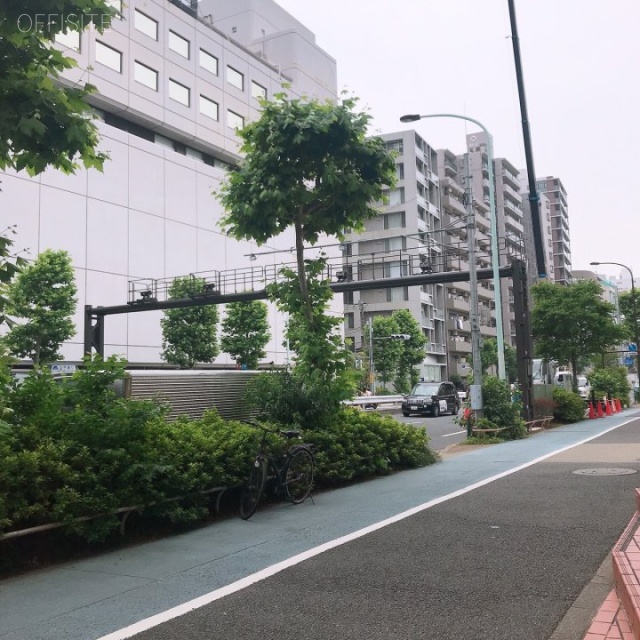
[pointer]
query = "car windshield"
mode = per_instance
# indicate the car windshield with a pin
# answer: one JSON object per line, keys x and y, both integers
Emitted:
{"x": 425, "y": 390}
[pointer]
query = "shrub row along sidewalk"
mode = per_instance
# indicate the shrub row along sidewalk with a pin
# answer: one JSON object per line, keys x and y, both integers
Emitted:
{"x": 71, "y": 449}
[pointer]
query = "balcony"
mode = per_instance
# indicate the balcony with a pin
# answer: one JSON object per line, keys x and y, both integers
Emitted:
{"x": 457, "y": 304}
{"x": 459, "y": 326}
{"x": 435, "y": 347}
{"x": 488, "y": 332}
{"x": 459, "y": 345}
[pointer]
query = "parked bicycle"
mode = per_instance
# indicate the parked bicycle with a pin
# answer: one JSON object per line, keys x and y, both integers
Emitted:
{"x": 291, "y": 471}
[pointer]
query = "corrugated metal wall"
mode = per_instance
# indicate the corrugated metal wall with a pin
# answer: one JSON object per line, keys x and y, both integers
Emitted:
{"x": 191, "y": 394}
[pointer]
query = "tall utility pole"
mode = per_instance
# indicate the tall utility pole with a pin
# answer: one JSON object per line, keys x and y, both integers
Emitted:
{"x": 475, "y": 391}
{"x": 372, "y": 374}
{"x": 534, "y": 198}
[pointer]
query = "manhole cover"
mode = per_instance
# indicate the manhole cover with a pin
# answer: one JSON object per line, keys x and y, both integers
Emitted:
{"x": 604, "y": 472}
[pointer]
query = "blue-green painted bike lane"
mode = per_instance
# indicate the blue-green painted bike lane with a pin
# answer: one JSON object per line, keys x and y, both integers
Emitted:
{"x": 97, "y": 596}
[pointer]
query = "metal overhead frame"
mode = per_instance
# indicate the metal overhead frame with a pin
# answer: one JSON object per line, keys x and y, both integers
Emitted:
{"x": 209, "y": 288}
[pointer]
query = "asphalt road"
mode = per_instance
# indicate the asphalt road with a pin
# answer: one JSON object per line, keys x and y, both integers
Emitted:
{"x": 442, "y": 430}
{"x": 502, "y": 562}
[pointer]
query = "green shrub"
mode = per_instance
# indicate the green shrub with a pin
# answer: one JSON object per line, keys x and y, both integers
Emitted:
{"x": 285, "y": 398}
{"x": 612, "y": 383}
{"x": 73, "y": 449}
{"x": 500, "y": 409}
{"x": 359, "y": 444}
{"x": 568, "y": 406}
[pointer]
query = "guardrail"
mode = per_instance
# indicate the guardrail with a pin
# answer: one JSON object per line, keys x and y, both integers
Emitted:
{"x": 390, "y": 402}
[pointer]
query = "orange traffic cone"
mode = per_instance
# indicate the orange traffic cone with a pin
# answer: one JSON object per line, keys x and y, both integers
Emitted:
{"x": 592, "y": 412}
{"x": 619, "y": 404}
{"x": 609, "y": 412}
{"x": 600, "y": 411}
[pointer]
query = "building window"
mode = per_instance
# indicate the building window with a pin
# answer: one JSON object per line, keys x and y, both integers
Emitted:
{"x": 394, "y": 145}
{"x": 108, "y": 56}
{"x": 394, "y": 220}
{"x": 209, "y": 108}
{"x": 395, "y": 244}
{"x": 258, "y": 91}
{"x": 179, "y": 93}
{"x": 234, "y": 120}
{"x": 398, "y": 294}
{"x": 208, "y": 62}
{"x": 235, "y": 78}
{"x": 400, "y": 171}
{"x": 396, "y": 196}
{"x": 145, "y": 75}
{"x": 146, "y": 25}
{"x": 348, "y": 297}
{"x": 179, "y": 44}
{"x": 350, "y": 321}
{"x": 70, "y": 40}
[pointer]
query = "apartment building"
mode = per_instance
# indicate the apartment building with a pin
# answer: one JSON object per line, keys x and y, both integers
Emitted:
{"x": 553, "y": 189}
{"x": 174, "y": 82}
{"x": 545, "y": 222}
{"x": 457, "y": 205}
{"x": 406, "y": 230}
{"x": 509, "y": 214}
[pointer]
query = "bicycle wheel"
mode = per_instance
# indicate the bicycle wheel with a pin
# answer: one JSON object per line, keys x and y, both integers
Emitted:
{"x": 298, "y": 476}
{"x": 252, "y": 489}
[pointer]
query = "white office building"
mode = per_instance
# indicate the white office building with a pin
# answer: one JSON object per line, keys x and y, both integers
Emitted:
{"x": 174, "y": 82}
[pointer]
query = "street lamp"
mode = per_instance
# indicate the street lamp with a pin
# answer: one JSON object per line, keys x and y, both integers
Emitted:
{"x": 634, "y": 306}
{"x": 495, "y": 259}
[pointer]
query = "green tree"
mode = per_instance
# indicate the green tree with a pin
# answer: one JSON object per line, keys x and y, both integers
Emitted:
{"x": 43, "y": 122}
{"x": 189, "y": 334}
{"x": 308, "y": 165}
{"x": 412, "y": 354}
{"x": 245, "y": 332}
{"x": 630, "y": 311}
{"x": 489, "y": 358}
{"x": 42, "y": 300}
{"x": 571, "y": 322}
{"x": 10, "y": 266}
{"x": 386, "y": 351}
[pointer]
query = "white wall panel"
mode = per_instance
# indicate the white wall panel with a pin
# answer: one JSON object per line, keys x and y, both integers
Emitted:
{"x": 107, "y": 237}
{"x": 180, "y": 193}
{"x": 63, "y": 223}
{"x": 146, "y": 246}
{"x": 146, "y": 175}
{"x": 112, "y": 184}
{"x": 21, "y": 207}
{"x": 181, "y": 259}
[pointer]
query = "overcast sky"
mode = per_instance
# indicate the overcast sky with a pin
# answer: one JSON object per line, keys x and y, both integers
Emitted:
{"x": 581, "y": 61}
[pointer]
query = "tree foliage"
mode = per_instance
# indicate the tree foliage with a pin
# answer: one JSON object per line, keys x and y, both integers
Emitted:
{"x": 386, "y": 351}
{"x": 412, "y": 353}
{"x": 42, "y": 300}
{"x": 630, "y": 310}
{"x": 10, "y": 266}
{"x": 245, "y": 332}
{"x": 308, "y": 165}
{"x": 489, "y": 358}
{"x": 43, "y": 122}
{"x": 189, "y": 334}
{"x": 573, "y": 321}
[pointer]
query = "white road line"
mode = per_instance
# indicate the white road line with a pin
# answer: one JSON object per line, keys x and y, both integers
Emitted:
{"x": 448, "y": 435}
{"x": 175, "y": 612}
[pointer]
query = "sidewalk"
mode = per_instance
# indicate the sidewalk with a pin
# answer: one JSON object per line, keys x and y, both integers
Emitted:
{"x": 88, "y": 599}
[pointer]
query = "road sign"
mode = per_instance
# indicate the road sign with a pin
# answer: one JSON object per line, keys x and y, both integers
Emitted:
{"x": 633, "y": 347}
{"x": 628, "y": 361}
{"x": 63, "y": 368}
